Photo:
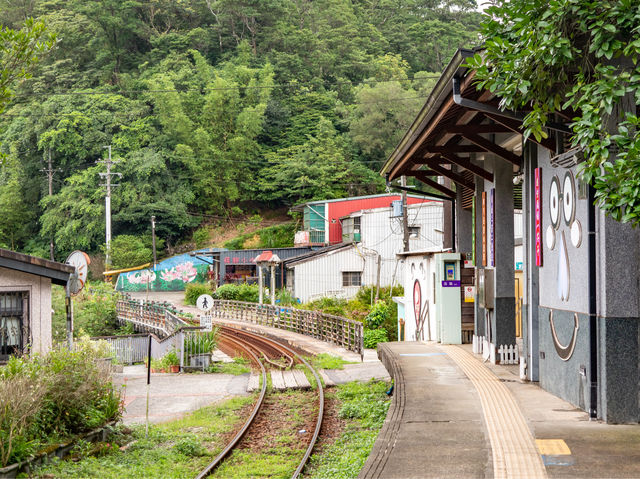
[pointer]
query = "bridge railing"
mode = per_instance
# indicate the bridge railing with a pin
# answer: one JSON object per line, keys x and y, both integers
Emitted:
{"x": 325, "y": 327}
{"x": 158, "y": 318}
{"x": 150, "y": 316}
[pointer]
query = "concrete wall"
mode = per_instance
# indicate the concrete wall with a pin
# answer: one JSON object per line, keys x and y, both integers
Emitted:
{"x": 617, "y": 263}
{"x": 39, "y": 290}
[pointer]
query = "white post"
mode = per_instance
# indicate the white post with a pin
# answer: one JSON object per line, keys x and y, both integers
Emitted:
{"x": 260, "y": 284}
{"x": 273, "y": 284}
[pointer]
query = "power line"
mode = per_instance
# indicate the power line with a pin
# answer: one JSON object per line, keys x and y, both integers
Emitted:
{"x": 209, "y": 89}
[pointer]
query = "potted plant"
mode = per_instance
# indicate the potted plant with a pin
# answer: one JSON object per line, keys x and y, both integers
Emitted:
{"x": 198, "y": 348}
{"x": 172, "y": 361}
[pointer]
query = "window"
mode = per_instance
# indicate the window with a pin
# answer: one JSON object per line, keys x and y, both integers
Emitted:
{"x": 351, "y": 229}
{"x": 12, "y": 323}
{"x": 351, "y": 278}
{"x": 414, "y": 231}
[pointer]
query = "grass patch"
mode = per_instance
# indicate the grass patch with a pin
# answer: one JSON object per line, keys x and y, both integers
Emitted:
{"x": 364, "y": 407}
{"x": 175, "y": 449}
{"x": 328, "y": 361}
{"x": 237, "y": 367}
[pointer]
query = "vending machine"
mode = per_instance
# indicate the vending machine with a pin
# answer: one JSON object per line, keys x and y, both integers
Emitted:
{"x": 447, "y": 294}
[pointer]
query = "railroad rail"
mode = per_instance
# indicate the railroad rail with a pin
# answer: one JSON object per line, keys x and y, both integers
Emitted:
{"x": 257, "y": 346}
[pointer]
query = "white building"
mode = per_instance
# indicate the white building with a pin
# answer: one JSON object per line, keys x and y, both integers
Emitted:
{"x": 367, "y": 255}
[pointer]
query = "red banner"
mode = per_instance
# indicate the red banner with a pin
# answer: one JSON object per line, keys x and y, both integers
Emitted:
{"x": 538, "y": 213}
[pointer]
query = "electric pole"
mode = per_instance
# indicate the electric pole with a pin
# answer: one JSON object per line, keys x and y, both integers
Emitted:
{"x": 107, "y": 201}
{"x": 153, "y": 240}
{"x": 405, "y": 218}
{"x": 50, "y": 171}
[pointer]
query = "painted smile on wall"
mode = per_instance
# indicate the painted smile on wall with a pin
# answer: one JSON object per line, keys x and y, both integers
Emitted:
{"x": 562, "y": 203}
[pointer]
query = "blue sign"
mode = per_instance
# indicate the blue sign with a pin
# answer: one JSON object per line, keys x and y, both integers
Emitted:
{"x": 451, "y": 284}
{"x": 519, "y": 266}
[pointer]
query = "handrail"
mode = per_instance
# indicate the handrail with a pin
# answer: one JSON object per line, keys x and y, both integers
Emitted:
{"x": 160, "y": 317}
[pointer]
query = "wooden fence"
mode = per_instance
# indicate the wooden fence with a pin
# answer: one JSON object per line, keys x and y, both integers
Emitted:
{"x": 325, "y": 327}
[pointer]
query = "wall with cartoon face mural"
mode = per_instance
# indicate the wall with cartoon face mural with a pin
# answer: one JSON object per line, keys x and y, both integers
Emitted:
{"x": 419, "y": 307}
{"x": 563, "y": 282}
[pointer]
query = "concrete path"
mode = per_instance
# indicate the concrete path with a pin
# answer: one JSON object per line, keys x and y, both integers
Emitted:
{"x": 454, "y": 416}
{"x": 173, "y": 395}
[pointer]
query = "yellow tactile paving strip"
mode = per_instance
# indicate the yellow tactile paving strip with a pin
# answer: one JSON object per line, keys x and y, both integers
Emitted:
{"x": 515, "y": 454}
{"x": 553, "y": 447}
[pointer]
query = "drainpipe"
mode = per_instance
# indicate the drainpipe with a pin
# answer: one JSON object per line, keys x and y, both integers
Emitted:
{"x": 593, "y": 311}
{"x": 486, "y": 108}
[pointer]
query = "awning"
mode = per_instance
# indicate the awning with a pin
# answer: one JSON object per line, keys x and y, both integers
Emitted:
{"x": 458, "y": 122}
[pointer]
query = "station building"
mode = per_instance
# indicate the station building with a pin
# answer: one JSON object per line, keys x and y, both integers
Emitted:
{"x": 580, "y": 304}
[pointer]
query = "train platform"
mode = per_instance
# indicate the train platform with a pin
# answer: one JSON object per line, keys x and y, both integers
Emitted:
{"x": 454, "y": 416}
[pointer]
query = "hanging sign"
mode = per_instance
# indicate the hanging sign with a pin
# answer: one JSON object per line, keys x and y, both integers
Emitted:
{"x": 538, "y": 215}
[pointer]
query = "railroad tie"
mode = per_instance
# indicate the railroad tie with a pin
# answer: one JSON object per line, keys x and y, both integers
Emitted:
{"x": 277, "y": 381}
{"x": 289, "y": 380}
{"x": 301, "y": 379}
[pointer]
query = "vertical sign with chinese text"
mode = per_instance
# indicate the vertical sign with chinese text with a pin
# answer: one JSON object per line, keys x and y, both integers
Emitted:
{"x": 492, "y": 227}
{"x": 538, "y": 215}
{"x": 484, "y": 228}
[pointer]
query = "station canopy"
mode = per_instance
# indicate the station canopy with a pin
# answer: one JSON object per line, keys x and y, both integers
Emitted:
{"x": 457, "y": 124}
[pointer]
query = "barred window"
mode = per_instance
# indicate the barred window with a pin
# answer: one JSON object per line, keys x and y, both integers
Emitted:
{"x": 351, "y": 278}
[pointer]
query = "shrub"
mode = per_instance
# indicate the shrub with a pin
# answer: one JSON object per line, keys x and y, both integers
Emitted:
{"x": 194, "y": 290}
{"x": 62, "y": 393}
{"x": 335, "y": 306}
{"x": 377, "y": 316}
{"x": 201, "y": 236}
{"x": 128, "y": 250}
{"x": 371, "y": 337}
{"x": 238, "y": 292}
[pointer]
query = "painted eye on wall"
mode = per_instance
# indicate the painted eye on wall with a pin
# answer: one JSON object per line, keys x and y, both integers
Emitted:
{"x": 554, "y": 202}
{"x": 569, "y": 198}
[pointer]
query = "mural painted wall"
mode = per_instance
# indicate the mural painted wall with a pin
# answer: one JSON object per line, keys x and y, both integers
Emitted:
{"x": 172, "y": 274}
{"x": 419, "y": 307}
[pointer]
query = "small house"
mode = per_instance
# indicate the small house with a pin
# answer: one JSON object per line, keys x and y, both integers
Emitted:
{"x": 25, "y": 302}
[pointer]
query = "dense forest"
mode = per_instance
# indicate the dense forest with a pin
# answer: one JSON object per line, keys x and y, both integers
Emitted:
{"x": 212, "y": 108}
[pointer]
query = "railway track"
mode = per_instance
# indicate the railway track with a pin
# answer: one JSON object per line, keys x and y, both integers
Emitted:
{"x": 260, "y": 351}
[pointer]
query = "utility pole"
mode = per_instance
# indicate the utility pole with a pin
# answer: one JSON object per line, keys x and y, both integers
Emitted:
{"x": 107, "y": 201}
{"x": 50, "y": 171}
{"x": 153, "y": 240}
{"x": 405, "y": 218}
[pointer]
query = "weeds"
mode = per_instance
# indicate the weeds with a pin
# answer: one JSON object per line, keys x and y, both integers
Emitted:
{"x": 364, "y": 406}
{"x": 45, "y": 398}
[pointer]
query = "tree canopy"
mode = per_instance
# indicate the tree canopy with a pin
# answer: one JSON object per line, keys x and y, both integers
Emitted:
{"x": 578, "y": 59}
{"x": 212, "y": 108}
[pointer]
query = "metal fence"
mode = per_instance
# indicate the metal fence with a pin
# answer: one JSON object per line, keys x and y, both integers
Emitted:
{"x": 326, "y": 327}
{"x": 192, "y": 346}
{"x": 149, "y": 316}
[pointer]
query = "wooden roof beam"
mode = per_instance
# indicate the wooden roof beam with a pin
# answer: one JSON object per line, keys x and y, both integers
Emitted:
{"x": 452, "y": 175}
{"x": 493, "y": 148}
{"x": 419, "y": 174}
{"x": 467, "y": 165}
{"x": 475, "y": 129}
{"x": 454, "y": 149}
{"x": 515, "y": 126}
